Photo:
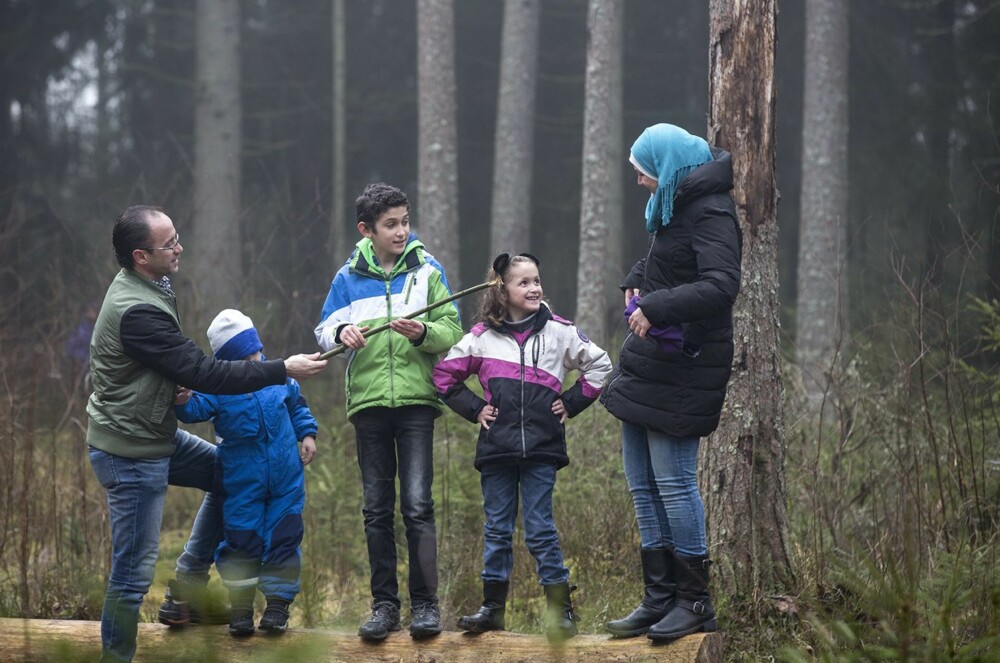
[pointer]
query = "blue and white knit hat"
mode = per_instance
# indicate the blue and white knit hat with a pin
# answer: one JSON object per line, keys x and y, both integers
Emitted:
{"x": 232, "y": 336}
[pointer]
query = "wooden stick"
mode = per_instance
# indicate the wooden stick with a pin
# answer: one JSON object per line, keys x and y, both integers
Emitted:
{"x": 340, "y": 349}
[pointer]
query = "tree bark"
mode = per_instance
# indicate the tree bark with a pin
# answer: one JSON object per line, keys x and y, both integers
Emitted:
{"x": 341, "y": 226}
{"x": 216, "y": 250}
{"x": 599, "y": 169}
{"x": 437, "y": 149}
{"x": 821, "y": 320}
{"x": 510, "y": 216}
{"x": 743, "y": 462}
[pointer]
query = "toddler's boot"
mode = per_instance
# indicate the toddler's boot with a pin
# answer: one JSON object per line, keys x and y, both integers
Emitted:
{"x": 191, "y": 602}
{"x": 275, "y": 618}
{"x": 241, "y": 611}
{"x": 561, "y": 619}
{"x": 692, "y": 611}
{"x": 490, "y": 616}
{"x": 657, "y": 596}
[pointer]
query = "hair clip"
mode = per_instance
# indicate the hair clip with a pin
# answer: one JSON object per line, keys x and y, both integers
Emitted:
{"x": 502, "y": 262}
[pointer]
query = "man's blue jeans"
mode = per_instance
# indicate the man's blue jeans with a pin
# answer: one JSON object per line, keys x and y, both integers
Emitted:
{"x": 662, "y": 475}
{"x": 136, "y": 487}
{"x": 392, "y": 440}
{"x": 195, "y": 562}
{"x": 501, "y": 484}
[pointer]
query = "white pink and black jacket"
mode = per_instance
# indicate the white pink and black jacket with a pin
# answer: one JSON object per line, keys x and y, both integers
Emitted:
{"x": 522, "y": 375}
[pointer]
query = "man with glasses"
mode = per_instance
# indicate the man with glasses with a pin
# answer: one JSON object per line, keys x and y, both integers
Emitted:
{"x": 139, "y": 357}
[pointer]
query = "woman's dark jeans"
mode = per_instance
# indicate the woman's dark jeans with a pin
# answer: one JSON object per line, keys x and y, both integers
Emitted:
{"x": 390, "y": 441}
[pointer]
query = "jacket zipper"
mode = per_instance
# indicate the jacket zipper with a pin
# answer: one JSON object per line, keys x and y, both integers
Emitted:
{"x": 524, "y": 444}
{"x": 388, "y": 310}
{"x": 410, "y": 278}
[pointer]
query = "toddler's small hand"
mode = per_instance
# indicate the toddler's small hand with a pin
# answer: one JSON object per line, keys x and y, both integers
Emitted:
{"x": 308, "y": 450}
{"x": 182, "y": 396}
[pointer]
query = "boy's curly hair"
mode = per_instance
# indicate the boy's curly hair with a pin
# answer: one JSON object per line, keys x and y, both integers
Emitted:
{"x": 376, "y": 199}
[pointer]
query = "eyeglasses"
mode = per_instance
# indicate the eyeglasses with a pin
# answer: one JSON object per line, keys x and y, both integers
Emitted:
{"x": 171, "y": 245}
{"x": 502, "y": 261}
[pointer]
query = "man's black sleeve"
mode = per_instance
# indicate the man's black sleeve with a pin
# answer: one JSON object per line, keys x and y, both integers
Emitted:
{"x": 152, "y": 338}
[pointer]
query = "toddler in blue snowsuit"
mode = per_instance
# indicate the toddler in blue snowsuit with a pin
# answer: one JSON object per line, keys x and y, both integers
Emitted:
{"x": 258, "y": 473}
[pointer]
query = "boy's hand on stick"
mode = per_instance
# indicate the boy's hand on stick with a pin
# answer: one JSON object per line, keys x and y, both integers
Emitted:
{"x": 353, "y": 337}
{"x": 411, "y": 329}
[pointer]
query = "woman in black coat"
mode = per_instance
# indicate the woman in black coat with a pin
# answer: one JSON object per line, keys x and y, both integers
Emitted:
{"x": 670, "y": 382}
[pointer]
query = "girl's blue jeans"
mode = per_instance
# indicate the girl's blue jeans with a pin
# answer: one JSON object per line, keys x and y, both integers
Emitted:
{"x": 501, "y": 484}
{"x": 661, "y": 471}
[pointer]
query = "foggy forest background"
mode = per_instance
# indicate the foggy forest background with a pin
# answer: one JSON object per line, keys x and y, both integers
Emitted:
{"x": 255, "y": 124}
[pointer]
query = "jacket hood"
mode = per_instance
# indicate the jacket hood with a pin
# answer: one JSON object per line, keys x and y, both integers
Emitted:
{"x": 716, "y": 176}
{"x": 363, "y": 260}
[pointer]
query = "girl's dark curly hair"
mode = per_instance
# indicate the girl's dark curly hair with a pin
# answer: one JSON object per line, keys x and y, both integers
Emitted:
{"x": 493, "y": 303}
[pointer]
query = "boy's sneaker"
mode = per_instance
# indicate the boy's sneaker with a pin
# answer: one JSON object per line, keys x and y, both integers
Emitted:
{"x": 384, "y": 618}
{"x": 275, "y": 618}
{"x": 426, "y": 621}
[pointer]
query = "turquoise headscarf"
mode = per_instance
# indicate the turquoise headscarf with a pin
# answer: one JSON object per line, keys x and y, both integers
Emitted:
{"x": 669, "y": 154}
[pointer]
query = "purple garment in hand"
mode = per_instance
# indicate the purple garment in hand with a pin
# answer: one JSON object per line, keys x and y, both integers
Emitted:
{"x": 670, "y": 339}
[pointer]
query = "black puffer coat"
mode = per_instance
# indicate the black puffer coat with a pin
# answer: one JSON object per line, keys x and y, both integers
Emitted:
{"x": 690, "y": 277}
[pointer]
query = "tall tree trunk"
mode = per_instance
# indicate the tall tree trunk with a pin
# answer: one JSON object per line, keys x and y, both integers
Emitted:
{"x": 599, "y": 169}
{"x": 615, "y": 252}
{"x": 821, "y": 321}
{"x": 743, "y": 462}
{"x": 341, "y": 226}
{"x": 515, "y": 130}
{"x": 437, "y": 149}
{"x": 939, "y": 66}
{"x": 216, "y": 250}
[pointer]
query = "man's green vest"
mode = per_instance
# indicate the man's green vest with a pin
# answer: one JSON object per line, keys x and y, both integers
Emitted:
{"x": 131, "y": 409}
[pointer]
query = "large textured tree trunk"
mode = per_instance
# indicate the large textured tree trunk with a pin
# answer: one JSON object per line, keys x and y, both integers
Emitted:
{"x": 821, "y": 321}
{"x": 437, "y": 150}
{"x": 743, "y": 462}
{"x": 216, "y": 250}
{"x": 599, "y": 168}
{"x": 510, "y": 222}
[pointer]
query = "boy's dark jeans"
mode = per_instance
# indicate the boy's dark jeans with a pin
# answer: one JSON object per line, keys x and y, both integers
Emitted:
{"x": 384, "y": 435}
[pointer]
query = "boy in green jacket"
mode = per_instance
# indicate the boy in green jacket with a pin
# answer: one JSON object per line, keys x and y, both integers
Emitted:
{"x": 391, "y": 399}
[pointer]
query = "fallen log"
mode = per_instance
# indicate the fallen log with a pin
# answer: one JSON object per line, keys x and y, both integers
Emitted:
{"x": 36, "y": 640}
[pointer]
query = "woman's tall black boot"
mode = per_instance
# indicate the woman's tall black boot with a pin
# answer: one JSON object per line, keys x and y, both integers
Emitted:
{"x": 657, "y": 595}
{"x": 490, "y": 615}
{"x": 692, "y": 611}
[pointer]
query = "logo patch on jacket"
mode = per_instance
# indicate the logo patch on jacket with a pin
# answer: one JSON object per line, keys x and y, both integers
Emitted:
{"x": 583, "y": 337}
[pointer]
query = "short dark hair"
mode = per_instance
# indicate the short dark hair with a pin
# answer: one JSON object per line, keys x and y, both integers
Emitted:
{"x": 131, "y": 232}
{"x": 376, "y": 199}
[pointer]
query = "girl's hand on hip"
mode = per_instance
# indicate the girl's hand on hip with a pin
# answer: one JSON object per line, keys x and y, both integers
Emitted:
{"x": 487, "y": 416}
{"x": 559, "y": 409}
